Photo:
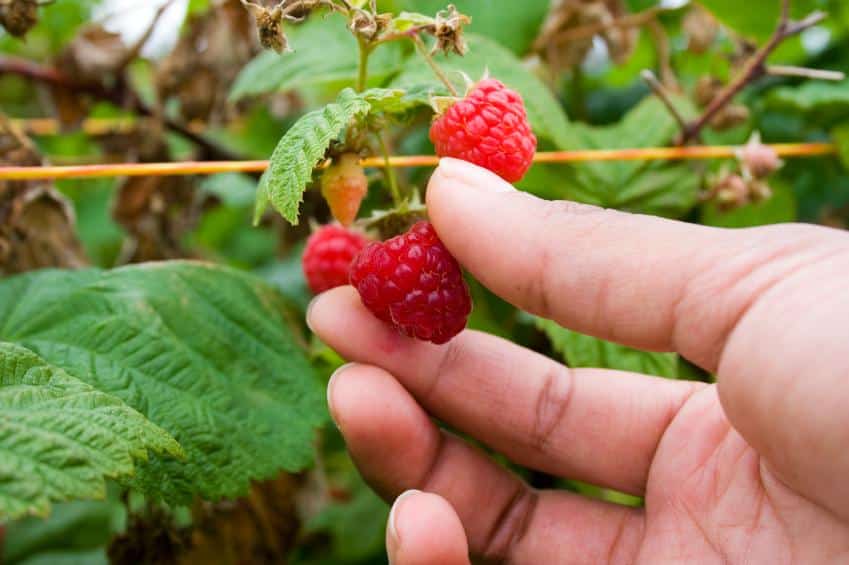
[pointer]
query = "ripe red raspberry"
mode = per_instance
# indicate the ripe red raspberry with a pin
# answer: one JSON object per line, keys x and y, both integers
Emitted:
{"x": 328, "y": 256}
{"x": 412, "y": 282}
{"x": 489, "y": 128}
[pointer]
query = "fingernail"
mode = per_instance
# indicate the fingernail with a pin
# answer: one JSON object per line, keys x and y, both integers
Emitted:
{"x": 392, "y": 538}
{"x": 330, "y": 383}
{"x": 474, "y": 177}
{"x": 310, "y": 306}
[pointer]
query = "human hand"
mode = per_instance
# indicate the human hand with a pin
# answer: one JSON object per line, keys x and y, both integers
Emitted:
{"x": 752, "y": 469}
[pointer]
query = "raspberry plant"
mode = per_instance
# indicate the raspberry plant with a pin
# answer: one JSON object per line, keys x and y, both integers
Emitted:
{"x": 185, "y": 397}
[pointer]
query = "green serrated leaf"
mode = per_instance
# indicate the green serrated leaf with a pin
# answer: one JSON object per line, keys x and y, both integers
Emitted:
{"x": 205, "y": 352}
{"x": 544, "y": 111}
{"x": 579, "y": 350}
{"x": 301, "y": 149}
{"x": 60, "y": 437}
{"x": 393, "y": 101}
{"x": 325, "y": 54}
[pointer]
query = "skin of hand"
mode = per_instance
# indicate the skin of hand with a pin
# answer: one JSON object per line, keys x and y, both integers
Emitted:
{"x": 751, "y": 470}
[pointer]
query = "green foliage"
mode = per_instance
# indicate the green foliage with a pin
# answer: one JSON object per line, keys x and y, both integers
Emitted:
{"x": 356, "y": 527}
{"x": 204, "y": 352}
{"x": 822, "y": 101}
{"x": 512, "y": 24}
{"x": 580, "y": 350}
{"x": 57, "y": 24}
{"x": 287, "y": 276}
{"x": 639, "y": 186}
{"x": 224, "y": 233}
{"x": 758, "y": 18}
{"x": 100, "y": 235}
{"x": 301, "y": 149}
{"x": 74, "y": 530}
{"x": 544, "y": 112}
{"x": 61, "y": 437}
{"x": 325, "y": 54}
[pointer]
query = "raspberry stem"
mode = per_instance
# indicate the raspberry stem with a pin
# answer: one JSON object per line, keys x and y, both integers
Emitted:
{"x": 440, "y": 74}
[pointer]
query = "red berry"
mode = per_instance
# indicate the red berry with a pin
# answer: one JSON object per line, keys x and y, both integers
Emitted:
{"x": 489, "y": 128}
{"x": 415, "y": 284}
{"x": 328, "y": 256}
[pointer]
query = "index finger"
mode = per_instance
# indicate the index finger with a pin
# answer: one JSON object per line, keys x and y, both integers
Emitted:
{"x": 639, "y": 280}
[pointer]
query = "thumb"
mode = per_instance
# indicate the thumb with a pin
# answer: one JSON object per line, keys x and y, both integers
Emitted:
{"x": 423, "y": 528}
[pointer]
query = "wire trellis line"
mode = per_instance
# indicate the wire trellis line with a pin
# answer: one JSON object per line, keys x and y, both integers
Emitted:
{"x": 216, "y": 167}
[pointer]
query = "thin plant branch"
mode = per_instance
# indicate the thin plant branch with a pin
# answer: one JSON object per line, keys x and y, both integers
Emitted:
{"x": 137, "y": 47}
{"x": 754, "y": 69}
{"x": 664, "y": 97}
{"x": 440, "y": 74}
{"x": 591, "y": 30}
{"x": 693, "y": 152}
{"x": 804, "y": 72}
{"x": 51, "y": 75}
{"x": 664, "y": 54}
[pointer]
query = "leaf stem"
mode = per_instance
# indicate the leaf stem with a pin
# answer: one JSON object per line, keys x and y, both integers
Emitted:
{"x": 754, "y": 68}
{"x": 365, "y": 52}
{"x": 440, "y": 74}
{"x": 389, "y": 170}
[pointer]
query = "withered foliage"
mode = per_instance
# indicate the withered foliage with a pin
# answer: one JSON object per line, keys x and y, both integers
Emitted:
{"x": 19, "y": 16}
{"x": 562, "y": 47}
{"x": 260, "y": 528}
{"x": 213, "y": 49}
{"x": 157, "y": 213}
{"x": 37, "y": 226}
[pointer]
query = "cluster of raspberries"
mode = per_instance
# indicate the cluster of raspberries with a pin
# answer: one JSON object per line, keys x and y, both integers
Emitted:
{"x": 412, "y": 281}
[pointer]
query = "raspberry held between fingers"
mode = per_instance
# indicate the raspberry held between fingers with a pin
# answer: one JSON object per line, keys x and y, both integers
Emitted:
{"x": 413, "y": 283}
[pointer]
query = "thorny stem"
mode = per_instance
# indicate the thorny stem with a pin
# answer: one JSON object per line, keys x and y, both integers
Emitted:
{"x": 390, "y": 172}
{"x": 440, "y": 74}
{"x": 754, "y": 69}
